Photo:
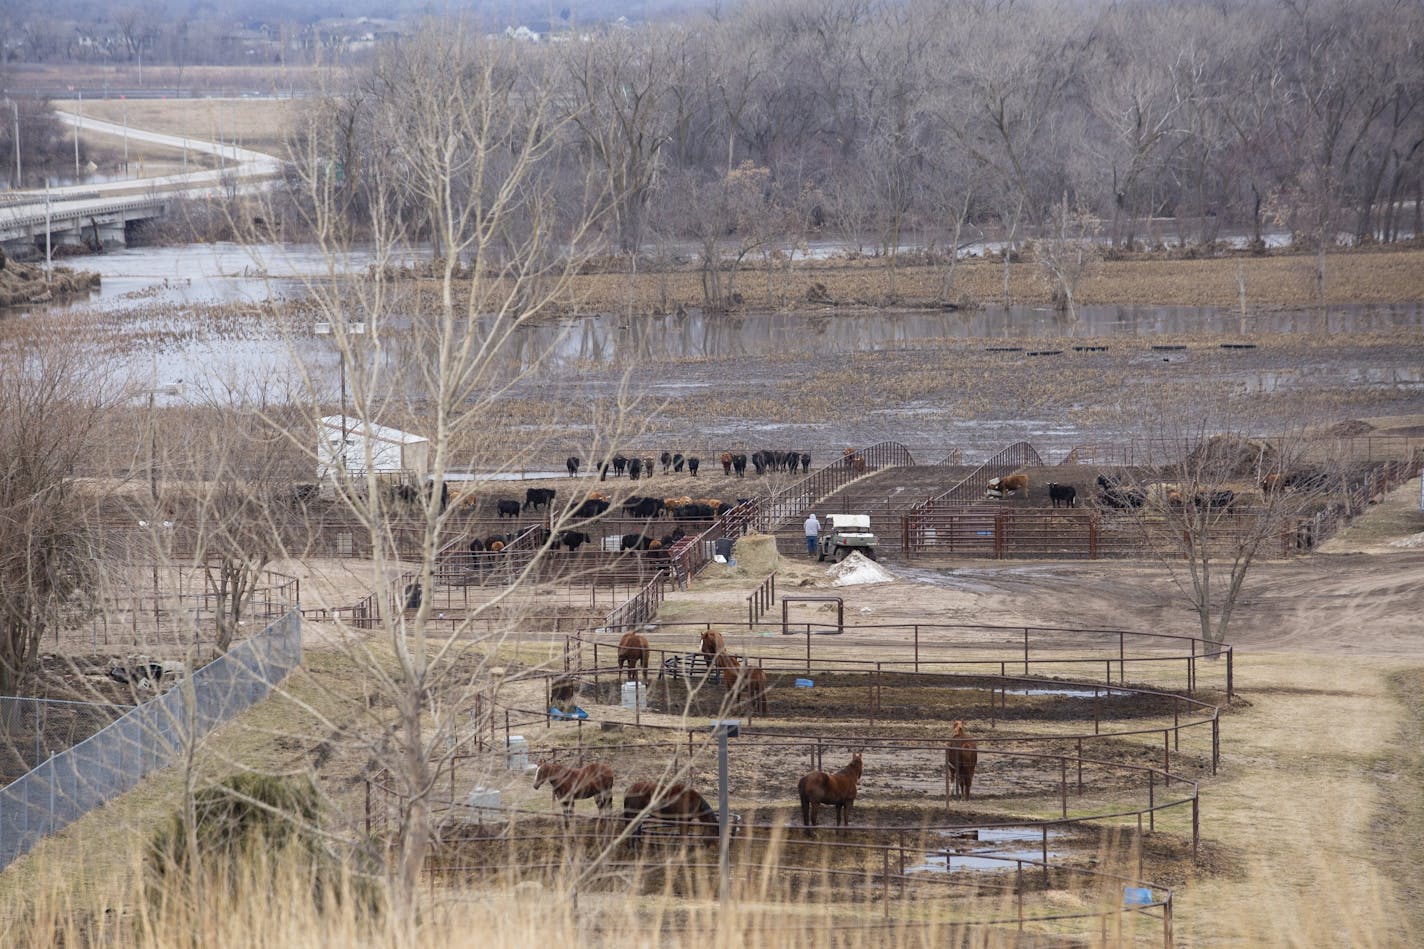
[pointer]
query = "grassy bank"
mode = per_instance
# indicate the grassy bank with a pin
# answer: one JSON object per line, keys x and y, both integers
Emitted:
{"x": 1373, "y": 277}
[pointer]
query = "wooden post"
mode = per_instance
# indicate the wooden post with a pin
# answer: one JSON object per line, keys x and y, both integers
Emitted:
{"x": 946, "y": 778}
{"x": 1063, "y": 783}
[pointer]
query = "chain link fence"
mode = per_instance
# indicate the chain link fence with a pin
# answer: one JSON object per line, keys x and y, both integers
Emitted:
{"x": 111, "y": 761}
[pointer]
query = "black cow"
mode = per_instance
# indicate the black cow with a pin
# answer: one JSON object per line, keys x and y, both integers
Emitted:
{"x": 477, "y": 546}
{"x": 648, "y": 467}
{"x": 591, "y": 507}
{"x": 692, "y": 512}
{"x": 635, "y": 468}
{"x": 759, "y": 462}
{"x": 634, "y": 542}
{"x": 1116, "y": 493}
{"x": 572, "y": 464}
{"x": 805, "y": 462}
{"x": 642, "y": 507}
{"x": 506, "y": 507}
{"x": 677, "y": 463}
{"x": 693, "y": 464}
{"x": 669, "y": 539}
{"x": 620, "y": 464}
{"x": 1065, "y": 493}
{"x": 666, "y": 459}
{"x": 573, "y": 540}
{"x": 739, "y": 465}
{"x": 538, "y": 497}
{"x": 1219, "y": 500}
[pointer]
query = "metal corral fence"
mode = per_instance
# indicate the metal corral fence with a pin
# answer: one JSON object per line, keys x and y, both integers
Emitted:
{"x": 897, "y": 872}
{"x": 765, "y": 515}
{"x": 174, "y": 604}
{"x": 909, "y": 881}
{"x": 1147, "y": 453}
{"x": 73, "y": 782}
{"x": 1090, "y": 656}
{"x": 1004, "y": 462}
{"x": 962, "y": 527}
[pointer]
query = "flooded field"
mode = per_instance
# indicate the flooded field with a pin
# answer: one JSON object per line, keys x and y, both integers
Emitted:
{"x": 975, "y": 379}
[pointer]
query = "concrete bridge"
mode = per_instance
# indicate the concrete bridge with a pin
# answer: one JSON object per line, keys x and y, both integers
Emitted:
{"x": 100, "y": 215}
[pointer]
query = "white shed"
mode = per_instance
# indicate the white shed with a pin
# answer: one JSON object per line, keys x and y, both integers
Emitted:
{"x": 390, "y": 448}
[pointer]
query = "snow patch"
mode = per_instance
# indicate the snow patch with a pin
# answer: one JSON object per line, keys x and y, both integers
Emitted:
{"x": 1412, "y": 541}
{"x": 857, "y": 569}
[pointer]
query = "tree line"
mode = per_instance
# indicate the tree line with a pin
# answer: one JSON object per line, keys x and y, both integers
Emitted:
{"x": 940, "y": 123}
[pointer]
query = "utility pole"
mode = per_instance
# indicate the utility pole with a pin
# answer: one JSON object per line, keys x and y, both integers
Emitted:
{"x": 77, "y": 126}
{"x": 49, "y": 260}
{"x": 125, "y": 101}
{"x": 19, "y": 177}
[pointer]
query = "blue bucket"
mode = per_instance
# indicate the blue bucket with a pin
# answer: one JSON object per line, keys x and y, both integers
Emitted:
{"x": 1137, "y": 896}
{"x": 804, "y": 683}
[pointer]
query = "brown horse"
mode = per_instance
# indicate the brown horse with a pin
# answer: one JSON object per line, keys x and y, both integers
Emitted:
{"x": 593, "y": 780}
{"x": 712, "y": 645}
{"x": 963, "y": 756}
{"x": 839, "y": 789}
{"x": 674, "y": 802}
{"x": 746, "y": 683}
{"x": 633, "y": 652}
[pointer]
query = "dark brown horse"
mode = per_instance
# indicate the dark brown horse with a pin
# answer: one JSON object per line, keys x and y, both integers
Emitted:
{"x": 673, "y": 802}
{"x": 633, "y": 652}
{"x": 963, "y": 756}
{"x": 839, "y": 789}
{"x": 571, "y": 784}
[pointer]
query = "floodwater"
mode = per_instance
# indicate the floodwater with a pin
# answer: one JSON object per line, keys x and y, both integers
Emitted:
{"x": 154, "y": 292}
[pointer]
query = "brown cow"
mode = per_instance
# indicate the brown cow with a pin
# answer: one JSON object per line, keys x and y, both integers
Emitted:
{"x": 1002, "y": 487}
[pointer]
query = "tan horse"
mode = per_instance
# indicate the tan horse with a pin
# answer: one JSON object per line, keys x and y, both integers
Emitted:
{"x": 633, "y": 652}
{"x": 837, "y": 789}
{"x": 963, "y": 756}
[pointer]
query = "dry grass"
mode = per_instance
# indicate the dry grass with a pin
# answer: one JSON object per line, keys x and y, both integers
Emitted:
{"x": 259, "y": 124}
{"x": 1280, "y": 280}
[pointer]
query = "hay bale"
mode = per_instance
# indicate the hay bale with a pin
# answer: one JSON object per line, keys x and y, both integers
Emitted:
{"x": 1350, "y": 428}
{"x": 756, "y": 555}
{"x": 1228, "y": 456}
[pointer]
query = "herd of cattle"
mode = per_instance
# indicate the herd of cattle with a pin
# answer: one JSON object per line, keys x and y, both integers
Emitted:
{"x": 674, "y": 463}
{"x": 1118, "y": 493}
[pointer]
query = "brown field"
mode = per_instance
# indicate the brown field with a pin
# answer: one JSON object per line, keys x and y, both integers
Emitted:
{"x": 259, "y": 124}
{"x": 58, "y": 80}
{"x": 1278, "y": 280}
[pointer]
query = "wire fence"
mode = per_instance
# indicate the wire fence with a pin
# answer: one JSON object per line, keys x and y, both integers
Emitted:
{"x": 70, "y": 783}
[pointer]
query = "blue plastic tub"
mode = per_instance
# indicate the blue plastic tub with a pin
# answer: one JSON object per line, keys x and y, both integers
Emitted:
{"x": 804, "y": 683}
{"x": 1137, "y": 896}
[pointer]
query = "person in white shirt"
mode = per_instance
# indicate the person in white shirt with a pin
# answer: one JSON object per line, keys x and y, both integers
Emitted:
{"x": 813, "y": 532}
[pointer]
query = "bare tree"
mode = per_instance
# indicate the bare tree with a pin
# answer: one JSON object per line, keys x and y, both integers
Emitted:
{"x": 1215, "y": 501}
{"x": 477, "y": 143}
{"x": 615, "y": 97}
{"x": 51, "y": 405}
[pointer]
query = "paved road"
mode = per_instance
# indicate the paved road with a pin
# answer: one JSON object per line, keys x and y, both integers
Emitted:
{"x": 243, "y": 166}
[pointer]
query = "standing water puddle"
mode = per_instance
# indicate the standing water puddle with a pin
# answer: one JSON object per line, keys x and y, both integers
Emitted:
{"x": 988, "y": 852}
